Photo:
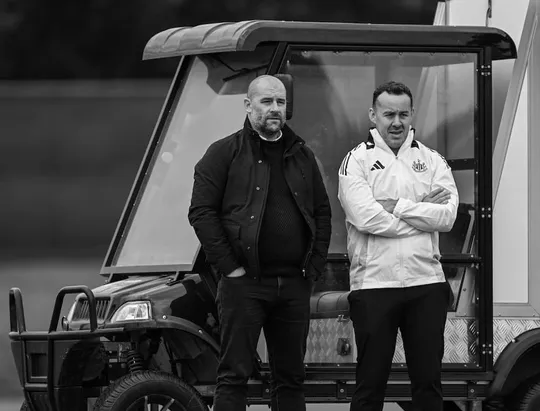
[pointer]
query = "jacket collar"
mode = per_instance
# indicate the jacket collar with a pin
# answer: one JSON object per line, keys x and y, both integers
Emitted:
{"x": 291, "y": 140}
{"x": 375, "y": 139}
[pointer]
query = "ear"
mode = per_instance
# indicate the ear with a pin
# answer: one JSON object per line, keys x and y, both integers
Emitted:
{"x": 247, "y": 105}
{"x": 372, "y": 116}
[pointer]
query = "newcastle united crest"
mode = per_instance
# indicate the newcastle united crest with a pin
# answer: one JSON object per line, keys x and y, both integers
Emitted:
{"x": 419, "y": 166}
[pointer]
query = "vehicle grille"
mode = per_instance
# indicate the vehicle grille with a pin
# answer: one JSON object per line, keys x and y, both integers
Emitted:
{"x": 82, "y": 310}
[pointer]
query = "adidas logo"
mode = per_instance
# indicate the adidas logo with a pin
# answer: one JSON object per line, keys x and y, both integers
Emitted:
{"x": 377, "y": 166}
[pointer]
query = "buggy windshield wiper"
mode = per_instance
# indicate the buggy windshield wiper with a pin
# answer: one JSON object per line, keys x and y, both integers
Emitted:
{"x": 238, "y": 72}
{"x": 244, "y": 71}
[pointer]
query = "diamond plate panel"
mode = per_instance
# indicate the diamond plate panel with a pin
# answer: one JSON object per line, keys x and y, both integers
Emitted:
{"x": 506, "y": 329}
{"x": 460, "y": 339}
{"x": 323, "y": 339}
{"x": 459, "y": 342}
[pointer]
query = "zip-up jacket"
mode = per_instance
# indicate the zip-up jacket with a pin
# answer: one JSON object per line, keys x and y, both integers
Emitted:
{"x": 399, "y": 249}
{"x": 229, "y": 195}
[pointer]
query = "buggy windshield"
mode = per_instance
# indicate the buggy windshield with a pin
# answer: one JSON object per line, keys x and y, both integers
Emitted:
{"x": 208, "y": 107}
{"x": 332, "y": 92}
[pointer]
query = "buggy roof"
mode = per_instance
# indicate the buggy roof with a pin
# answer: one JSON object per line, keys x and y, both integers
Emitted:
{"x": 247, "y": 35}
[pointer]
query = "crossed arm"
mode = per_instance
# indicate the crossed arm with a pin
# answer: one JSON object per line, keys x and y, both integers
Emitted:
{"x": 397, "y": 217}
{"x": 437, "y": 211}
{"x": 360, "y": 207}
{"x": 437, "y": 196}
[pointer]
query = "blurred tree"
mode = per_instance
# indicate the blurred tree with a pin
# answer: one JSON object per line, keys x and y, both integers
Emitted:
{"x": 69, "y": 160}
{"x": 105, "y": 39}
{"x": 90, "y": 39}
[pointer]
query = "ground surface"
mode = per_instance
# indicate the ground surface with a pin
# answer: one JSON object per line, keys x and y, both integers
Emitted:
{"x": 39, "y": 281}
{"x": 14, "y": 405}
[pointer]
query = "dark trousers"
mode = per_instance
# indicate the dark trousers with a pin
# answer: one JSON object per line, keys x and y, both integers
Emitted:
{"x": 279, "y": 306}
{"x": 420, "y": 314}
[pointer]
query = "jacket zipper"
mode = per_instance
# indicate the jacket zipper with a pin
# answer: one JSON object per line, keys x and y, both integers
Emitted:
{"x": 267, "y": 184}
{"x": 400, "y": 250}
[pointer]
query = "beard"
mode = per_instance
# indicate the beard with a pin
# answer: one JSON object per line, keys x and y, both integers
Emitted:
{"x": 271, "y": 123}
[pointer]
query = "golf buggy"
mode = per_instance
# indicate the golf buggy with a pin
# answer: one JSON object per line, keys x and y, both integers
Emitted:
{"x": 148, "y": 337}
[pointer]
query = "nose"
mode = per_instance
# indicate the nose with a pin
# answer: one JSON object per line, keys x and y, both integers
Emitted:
{"x": 274, "y": 106}
{"x": 396, "y": 122}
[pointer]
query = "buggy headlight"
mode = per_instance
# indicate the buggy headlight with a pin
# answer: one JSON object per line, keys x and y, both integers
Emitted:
{"x": 132, "y": 311}
{"x": 69, "y": 317}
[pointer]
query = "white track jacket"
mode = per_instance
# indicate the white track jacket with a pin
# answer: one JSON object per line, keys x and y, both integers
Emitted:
{"x": 400, "y": 249}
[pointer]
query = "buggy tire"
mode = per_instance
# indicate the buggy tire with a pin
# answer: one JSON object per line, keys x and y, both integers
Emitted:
{"x": 150, "y": 387}
{"x": 24, "y": 406}
{"x": 526, "y": 397}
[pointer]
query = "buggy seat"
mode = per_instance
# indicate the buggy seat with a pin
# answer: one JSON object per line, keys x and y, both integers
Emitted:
{"x": 329, "y": 304}
{"x": 330, "y": 297}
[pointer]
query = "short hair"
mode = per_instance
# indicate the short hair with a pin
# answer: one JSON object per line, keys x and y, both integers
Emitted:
{"x": 392, "y": 87}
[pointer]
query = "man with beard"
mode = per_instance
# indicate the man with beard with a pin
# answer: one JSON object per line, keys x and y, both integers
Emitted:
{"x": 260, "y": 210}
{"x": 397, "y": 194}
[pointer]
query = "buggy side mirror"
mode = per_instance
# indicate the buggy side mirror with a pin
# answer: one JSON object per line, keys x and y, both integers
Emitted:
{"x": 287, "y": 81}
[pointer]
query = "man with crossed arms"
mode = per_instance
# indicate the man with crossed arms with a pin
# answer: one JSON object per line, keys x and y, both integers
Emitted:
{"x": 397, "y": 194}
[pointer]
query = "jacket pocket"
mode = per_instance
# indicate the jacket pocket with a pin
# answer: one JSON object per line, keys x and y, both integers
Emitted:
{"x": 373, "y": 251}
{"x": 316, "y": 266}
{"x": 233, "y": 235}
{"x": 421, "y": 255}
{"x": 382, "y": 258}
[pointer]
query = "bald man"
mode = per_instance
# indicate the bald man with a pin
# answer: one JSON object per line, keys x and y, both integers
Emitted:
{"x": 260, "y": 210}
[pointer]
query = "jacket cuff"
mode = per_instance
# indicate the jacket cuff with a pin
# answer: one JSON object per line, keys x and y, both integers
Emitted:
{"x": 227, "y": 266}
{"x": 400, "y": 206}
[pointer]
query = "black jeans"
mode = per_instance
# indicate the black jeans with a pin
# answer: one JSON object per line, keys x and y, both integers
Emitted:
{"x": 279, "y": 306}
{"x": 420, "y": 314}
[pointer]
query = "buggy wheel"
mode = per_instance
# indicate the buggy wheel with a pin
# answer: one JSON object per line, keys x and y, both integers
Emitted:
{"x": 526, "y": 397}
{"x": 143, "y": 390}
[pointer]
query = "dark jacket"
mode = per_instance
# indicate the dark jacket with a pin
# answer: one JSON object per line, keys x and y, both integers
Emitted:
{"x": 229, "y": 196}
